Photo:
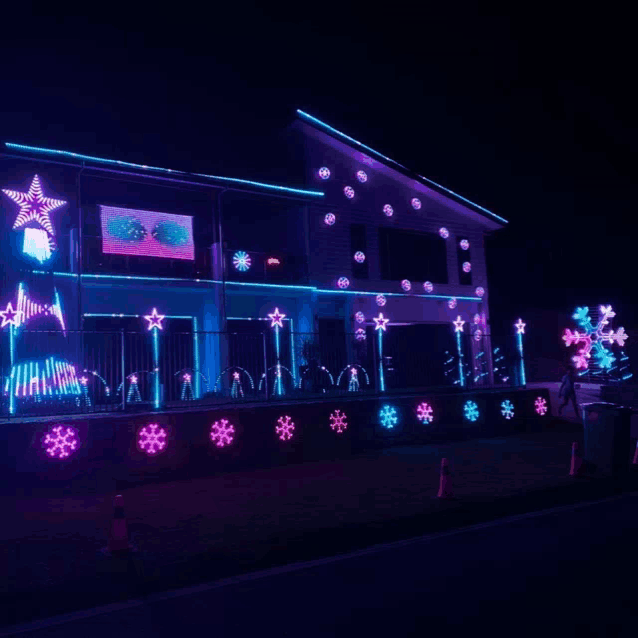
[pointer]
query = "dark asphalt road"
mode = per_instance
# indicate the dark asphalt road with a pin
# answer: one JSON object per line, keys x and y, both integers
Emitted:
{"x": 568, "y": 572}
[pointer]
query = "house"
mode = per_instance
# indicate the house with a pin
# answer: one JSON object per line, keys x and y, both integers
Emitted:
{"x": 127, "y": 284}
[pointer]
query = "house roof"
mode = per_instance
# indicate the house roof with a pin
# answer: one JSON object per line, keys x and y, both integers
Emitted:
{"x": 167, "y": 173}
{"x": 400, "y": 168}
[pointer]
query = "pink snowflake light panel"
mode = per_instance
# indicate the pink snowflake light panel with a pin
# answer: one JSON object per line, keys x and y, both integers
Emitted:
{"x": 388, "y": 210}
{"x": 222, "y": 433}
{"x": 60, "y": 442}
{"x": 151, "y": 439}
{"x": 348, "y": 191}
{"x": 285, "y": 428}
{"x": 338, "y": 421}
{"x": 329, "y": 219}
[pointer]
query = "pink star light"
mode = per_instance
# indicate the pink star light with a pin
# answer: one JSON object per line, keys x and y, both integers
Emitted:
{"x": 458, "y": 324}
{"x": 154, "y": 320}
{"x": 380, "y": 322}
{"x": 276, "y": 318}
{"x": 10, "y": 316}
{"x": 520, "y": 327}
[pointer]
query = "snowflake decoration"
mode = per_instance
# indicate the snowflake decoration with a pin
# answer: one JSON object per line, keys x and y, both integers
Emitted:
{"x": 380, "y": 300}
{"x": 507, "y": 409}
{"x": 362, "y": 176}
{"x": 388, "y": 416}
{"x": 241, "y": 261}
{"x": 222, "y": 433}
{"x": 151, "y": 439}
{"x": 471, "y": 411}
{"x": 593, "y": 338}
{"x": 541, "y": 406}
{"x": 343, "y": 282}
{"x": 60, "y": 442}
{"x": 425, "y": 413}
{"x": 359, "y": 257}
{"x": 477, "y": 318}
{"x": 338, "y": 421}
{"x": 360, "y": 334}
{"x": 285, "y": 428}
{"x": 480, "y": 291}
{"x": 478, "y": 335}
{"x": 444, "y": 232}
{"x": 359, "y": 317}
{"x": 348, "y": 191}
{"x": 464, "y": 244}
{"x": 467, "y": 266}
{"x": 451, "y": 303}
{"x": 406, "y": 285}
{"x": 329, "y": 219}
{"x": 324, "y": 172}
{"x": 388, "y": 210}
{"x": 416, "y": 203}
{"x": 428, "y": 286}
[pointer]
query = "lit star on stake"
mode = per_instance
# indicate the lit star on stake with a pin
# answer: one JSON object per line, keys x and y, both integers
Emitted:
{"x": 380, "y": 322}
{"x": 458, "y": 324}
{"x": 10, "y": 316}
{"x": 276, "y": 318}
{"x": 520, "y": 327}
{"x": 154, "y": 320}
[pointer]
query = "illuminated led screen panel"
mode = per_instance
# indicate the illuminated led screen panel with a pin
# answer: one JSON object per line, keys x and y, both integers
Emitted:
{"x": 145, "y": 233}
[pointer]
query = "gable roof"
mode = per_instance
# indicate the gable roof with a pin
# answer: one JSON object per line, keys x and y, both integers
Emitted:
{"x": 390, "y": 163}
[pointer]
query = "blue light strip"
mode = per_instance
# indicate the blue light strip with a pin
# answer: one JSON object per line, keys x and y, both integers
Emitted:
{"x": 12, "y": 404}
{"x": 196, "y": 358}
{"x": 279, "y": 392}
{"x": 460, "y": 351}
{"x": 285, "y": 189}
{"x": 258, "y": 285}
{"x": 519, "y": 339}
{"x": 88, "y": 158}
{"x": 346, "y": 137}
{"x": 425, "y": 179}
{"x": 447, "y": 190}
{"x": 156, "y": 366}
{"x": 292, "y": 354}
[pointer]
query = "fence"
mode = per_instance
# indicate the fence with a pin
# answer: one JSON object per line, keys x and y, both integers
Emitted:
{"x": 55, "y": 372}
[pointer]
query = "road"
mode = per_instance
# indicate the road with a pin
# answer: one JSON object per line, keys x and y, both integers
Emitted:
{"x": 564, "y": 572}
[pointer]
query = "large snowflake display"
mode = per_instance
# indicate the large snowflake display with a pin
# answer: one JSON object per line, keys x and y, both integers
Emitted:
{"x": 222, "y": 433}
{"x": 338, "y": 421}
{"x": 593, "y": 337}
{"x": 425, "y": 413}
{"x": 471, "y": 411}
{"x": 151, "y": 439}
{"x": 507, "y": 409}
{"x": 242, "y": 261}
{"x": 388, "y": 416}
{"x": 60, "y": 442}
{"x": 285, "y": 428}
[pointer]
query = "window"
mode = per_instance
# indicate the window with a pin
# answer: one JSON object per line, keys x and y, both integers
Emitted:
{"x": 414, "y": 256}
{"x": 358, "y": 247}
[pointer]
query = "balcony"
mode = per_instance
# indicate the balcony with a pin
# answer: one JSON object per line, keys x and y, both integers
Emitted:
{"x": 258, "y": 267}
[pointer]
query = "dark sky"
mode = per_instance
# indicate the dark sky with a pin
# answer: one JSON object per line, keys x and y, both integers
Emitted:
{"x": 529, "y": 113}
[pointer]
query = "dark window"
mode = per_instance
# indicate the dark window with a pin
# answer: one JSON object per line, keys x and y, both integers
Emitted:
{"x": 358, "y": 244}
{"x": 465, "y": 278}
{"x": 414, "y": 256}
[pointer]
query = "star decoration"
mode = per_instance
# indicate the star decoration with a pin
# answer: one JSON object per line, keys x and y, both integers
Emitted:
{"x": 520, "y": 327}
{"x": 276, "y": 319}
{"x": 458, "y": 324}
{"x": 187, "y": 377}
{"x": 84, "y": 380}
{"x": 154, "y": 320}
{"x": 10, "y": 316}
{"x": 133, "y": 379}
{"x": 380, "y": 322}
{"x": 34, "y": 206}
{"x": 236, "y": 375}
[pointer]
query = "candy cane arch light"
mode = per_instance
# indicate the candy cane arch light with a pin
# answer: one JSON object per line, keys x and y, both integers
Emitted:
{"x": 458, "y": 329}
{"x": 276, "y": 322}
{"x": 154, "y": 326}
{"x": 520, "y": 331}
{"x": 380, "y": 326}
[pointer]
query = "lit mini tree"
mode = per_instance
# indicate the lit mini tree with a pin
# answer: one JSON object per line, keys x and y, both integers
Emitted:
{"x": 236, "y": 389}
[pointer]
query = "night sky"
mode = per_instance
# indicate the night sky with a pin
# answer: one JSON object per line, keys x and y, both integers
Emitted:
{"x": 530, "y": 114}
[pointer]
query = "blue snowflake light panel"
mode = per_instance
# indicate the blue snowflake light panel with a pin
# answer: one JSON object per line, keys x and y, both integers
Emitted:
{"x": 242, "y": 261}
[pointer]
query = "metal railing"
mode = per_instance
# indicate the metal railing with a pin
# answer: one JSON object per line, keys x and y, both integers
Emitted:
{"x": 55, "y": 372}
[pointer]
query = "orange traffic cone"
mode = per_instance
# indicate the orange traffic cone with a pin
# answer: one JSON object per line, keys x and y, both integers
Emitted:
{"x": 636, "y": 455}
{"x": 576, "y": 461}
{"x": 118, "y": 540}
{"x": 445, "y": 485}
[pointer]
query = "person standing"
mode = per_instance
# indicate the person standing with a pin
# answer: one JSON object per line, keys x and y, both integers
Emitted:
{"x": 568, "y": 391}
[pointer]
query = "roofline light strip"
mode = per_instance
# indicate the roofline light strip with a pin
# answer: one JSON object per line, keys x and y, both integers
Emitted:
{"x": 50, "y": 151}
{"x": 347, "y": 137}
